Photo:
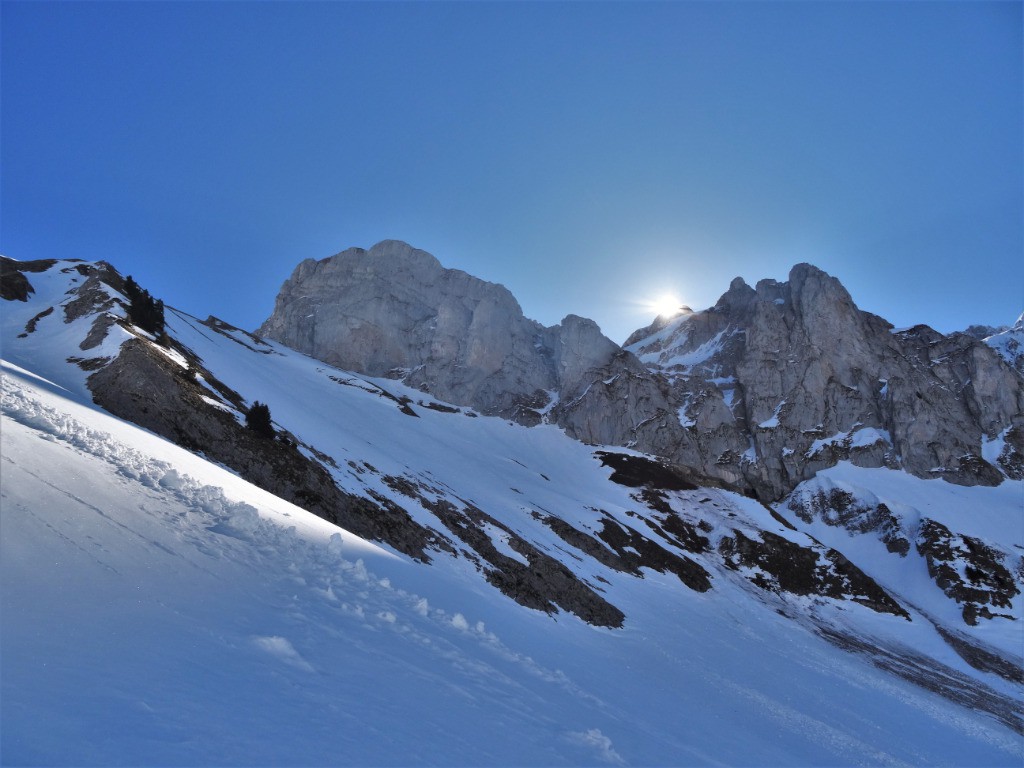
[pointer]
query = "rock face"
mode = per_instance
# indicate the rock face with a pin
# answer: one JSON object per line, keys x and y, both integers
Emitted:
{"x": 1009, "y": 343}
{"x": 760, "y": 391}
{"x": 143, "y": 386}
{"x": 14, "y": 285}
{"x": 779, "y": 381}
{"x": 967, "y": 570}
{"x": 395, "y": 311}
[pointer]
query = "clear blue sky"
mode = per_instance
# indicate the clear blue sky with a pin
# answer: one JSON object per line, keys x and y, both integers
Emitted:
{"x": 589, "y": 156}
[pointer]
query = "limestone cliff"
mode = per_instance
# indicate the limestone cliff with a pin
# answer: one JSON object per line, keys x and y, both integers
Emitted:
{"x": 760, "y": 391}
{"x": 395, "y": 311}
{"x": 779, "y": 381}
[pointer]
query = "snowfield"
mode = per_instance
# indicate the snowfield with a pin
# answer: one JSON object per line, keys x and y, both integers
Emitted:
{"x": 158, "y": 610}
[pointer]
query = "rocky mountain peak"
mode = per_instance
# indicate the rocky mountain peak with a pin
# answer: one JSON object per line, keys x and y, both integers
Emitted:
{"x": 660, "y": 322}
{"x": 394, "y": 311}
{"x": 737, "y": 298}
{"x": 803, "y": 273}
{"x": 1008, "y": 343}
{"x": 390, "y": 253}
{"x": 761, "y": 391}
{"x": 777, "y": 382}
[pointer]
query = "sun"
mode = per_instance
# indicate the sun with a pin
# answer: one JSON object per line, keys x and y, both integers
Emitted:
{"x": 666, "y": 305}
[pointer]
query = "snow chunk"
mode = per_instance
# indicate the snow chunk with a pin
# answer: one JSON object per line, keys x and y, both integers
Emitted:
{"x": 599, "y": 743}
{"x": 701, "y": 354}
{"x": 282, "y": 649}
{"x": 869, "y": 436}
{"x": 335, "y": 544}
{"x": 860, "y": 438}
{"x": 774, "y": 420}
{"x": 684, "y": 420}
{"x": 824, "y": 442}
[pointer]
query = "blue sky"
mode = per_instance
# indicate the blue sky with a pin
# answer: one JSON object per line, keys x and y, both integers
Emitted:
{"x": 589, "y": 156}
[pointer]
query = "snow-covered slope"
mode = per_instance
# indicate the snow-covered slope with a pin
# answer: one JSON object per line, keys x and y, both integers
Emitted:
{"x": 158, "y": 608}
{"x": 1010, "y": 344}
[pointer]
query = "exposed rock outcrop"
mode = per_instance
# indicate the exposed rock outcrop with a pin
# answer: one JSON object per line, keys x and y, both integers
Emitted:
{"x": 14, "y": 283}
{"x": 395, "y": 311}
{"x": 967, "y": 570}
{"x": 151, "y": 390}
{"x": 780, "y": 564}
{"x": 785, "y": 379}
{"x": 835, "y": 506}
{"x": 759, "y": 392}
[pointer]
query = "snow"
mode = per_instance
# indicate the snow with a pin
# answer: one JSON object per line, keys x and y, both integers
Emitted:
{"x": 855, "y": 438}
{"x": 1009, "y": 344}
{"x": 158, "y": 609}
{"x": 992, "y": 515}
{"x": 173, "y": 355}
{"x": 866, "y": 436}
{"x": 553, "y": 398}
{"x": 665, "y": 347}
{"x": 681, "y": 415}
{"x": 773, "y": 420}
{"x": 991, "y": 448}
{"x": 701, "y": 354}
{"x": 673, "y": 331}
{"x": 217, "y": 404}
{"x": 500, "y": 539}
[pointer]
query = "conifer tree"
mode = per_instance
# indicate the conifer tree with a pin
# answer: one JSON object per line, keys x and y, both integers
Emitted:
{"x": 257, "y": 418}
{"x": 143, "y": 310}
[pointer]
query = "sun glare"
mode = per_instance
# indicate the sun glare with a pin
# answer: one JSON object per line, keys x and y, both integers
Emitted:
{"x": 666, "y": 305}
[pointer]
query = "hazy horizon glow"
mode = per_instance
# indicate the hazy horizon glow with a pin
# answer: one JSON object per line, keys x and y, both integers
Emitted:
{"x": 589, "y": 156}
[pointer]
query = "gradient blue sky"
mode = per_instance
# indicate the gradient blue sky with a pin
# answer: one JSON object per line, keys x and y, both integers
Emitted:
{"x": 589, "y": 156}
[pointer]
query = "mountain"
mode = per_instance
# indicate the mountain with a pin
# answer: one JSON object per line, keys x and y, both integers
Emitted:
{"x": 982, "y": 332}
{"x": 761, "y": 391}
{"x": 1009, "y": 344}
{"x": 785, "y": 379}
{"x": 394, "y": 311}
{"x": 496, "y": 593}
